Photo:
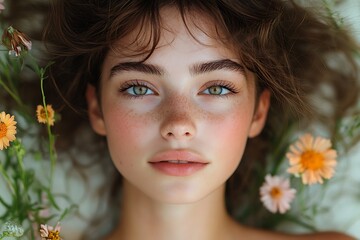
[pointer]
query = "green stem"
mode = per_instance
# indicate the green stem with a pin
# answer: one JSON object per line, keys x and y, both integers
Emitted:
{"x": 11, "y": 93}
{"x": 50, "y": 136}
{"x": 301, "y": 223}
{"x": 22, "y": 168}
{"x": 6, "y": 178}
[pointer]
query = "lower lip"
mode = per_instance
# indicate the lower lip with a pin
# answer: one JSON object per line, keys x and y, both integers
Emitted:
{"x": 178, "y": 169}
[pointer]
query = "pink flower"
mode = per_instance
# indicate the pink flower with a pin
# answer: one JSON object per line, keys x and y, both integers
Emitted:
{"x": 49, "y": 232}
{"x": 276, "y": 194}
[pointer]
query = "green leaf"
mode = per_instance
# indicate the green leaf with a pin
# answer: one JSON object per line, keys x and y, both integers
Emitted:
{"x": 52, "y": 199}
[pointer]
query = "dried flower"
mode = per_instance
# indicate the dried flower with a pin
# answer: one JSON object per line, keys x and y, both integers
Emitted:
{"x": 41, "y": 114}
{"x": 49, "y": 232}
{"x": 7, "y": 130}
{"x": 16, "y": 41}
{"x": 2, "y": 7}
{"x": 313, "y": 159}
{"x": 276, "y": 194}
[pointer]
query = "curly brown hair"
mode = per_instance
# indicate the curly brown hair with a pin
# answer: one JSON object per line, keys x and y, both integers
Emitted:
{"x": 294, "y": 51}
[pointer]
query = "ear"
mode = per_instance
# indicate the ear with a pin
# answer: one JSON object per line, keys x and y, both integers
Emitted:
{"x": 260, "y": 114}
{"x": 94, "y": 110}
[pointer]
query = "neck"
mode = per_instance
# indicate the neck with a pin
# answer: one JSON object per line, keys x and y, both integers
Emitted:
{"x": 144, "y": 218}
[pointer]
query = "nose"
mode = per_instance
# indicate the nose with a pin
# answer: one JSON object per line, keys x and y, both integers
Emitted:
{"x": 178, "y": 126}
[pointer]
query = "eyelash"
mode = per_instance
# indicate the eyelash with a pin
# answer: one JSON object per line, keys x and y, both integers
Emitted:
{"x": 224, "y": 84}
{"x": 136, "y": 83}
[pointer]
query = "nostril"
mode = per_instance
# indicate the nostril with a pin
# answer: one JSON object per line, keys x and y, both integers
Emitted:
{"x": 171, "y": 135}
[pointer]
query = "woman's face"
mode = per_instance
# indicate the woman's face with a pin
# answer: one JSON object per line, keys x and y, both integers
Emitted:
{"x": 177, "y": 123}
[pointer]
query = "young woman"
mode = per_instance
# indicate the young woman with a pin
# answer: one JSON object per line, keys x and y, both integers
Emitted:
{"x": 182, "y": 90}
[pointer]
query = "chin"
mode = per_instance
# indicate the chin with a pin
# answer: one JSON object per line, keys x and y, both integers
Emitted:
{"x": 182, "y": 195}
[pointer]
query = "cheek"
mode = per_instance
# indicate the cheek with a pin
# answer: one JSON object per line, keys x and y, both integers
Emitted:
{"x": 229, "y": 136}
{"x": 126, "y": 135}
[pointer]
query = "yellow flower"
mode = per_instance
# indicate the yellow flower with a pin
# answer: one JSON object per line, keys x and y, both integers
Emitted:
{"x": 312, "y": 158}
{"x": 49, "y": 232}
{"x": 16, "y": 41}
{"x": 41, "y": 114}
{"x": 7, "y": 130}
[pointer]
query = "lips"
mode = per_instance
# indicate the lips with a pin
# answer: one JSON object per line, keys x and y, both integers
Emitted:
{"x": 178, "y": 163}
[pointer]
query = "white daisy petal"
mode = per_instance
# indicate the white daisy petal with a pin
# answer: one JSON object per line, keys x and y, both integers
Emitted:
{"x": 276, "y": 194}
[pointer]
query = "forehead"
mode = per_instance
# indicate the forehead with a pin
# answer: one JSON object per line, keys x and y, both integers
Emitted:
{"x": 149, "y": 36}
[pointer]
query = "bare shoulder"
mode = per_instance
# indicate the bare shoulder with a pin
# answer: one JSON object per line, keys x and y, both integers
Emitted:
{"x": 256, "y": 234}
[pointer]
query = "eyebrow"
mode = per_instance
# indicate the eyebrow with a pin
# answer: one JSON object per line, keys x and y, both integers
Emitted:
{"x": 196, "y": 69}
{"x": 136, "y": 67}
{"x": 223, "y": 64}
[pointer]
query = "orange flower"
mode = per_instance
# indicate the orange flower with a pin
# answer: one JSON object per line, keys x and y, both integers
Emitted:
{"x": 16, "y": 41}
{"x": 41, "y": 114}
{"x": 312, "y": 158}
{"x": 7, "y": 130}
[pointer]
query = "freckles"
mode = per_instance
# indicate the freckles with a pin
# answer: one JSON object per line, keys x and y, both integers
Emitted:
{"x": 179, "y": 108}
{"x": 133, "y": 125}
{"x": 127, "y": 129}
{"x": 128, "y": 133}
{"x": 237, "y": 113}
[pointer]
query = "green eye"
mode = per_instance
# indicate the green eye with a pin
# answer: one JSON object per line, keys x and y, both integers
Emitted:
{"x": 136, "y": 88}
{"x": 139, "y": 90}
{"x": 216, "y": 90}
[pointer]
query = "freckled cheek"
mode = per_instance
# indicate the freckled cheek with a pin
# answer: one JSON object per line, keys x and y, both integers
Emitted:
{"x": 127, "y": 135}
{"x": 127, "y": 120}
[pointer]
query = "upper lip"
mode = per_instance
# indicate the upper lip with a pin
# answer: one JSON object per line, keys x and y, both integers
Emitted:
{"x": 179, "y": 155}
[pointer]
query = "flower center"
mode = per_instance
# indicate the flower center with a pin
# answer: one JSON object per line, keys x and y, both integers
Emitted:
{"x": 275, "y": 193}
{"x": 3, "y": 130}
{"x": 312, "y": 160}
{"x": 53, "y": 235}
{"x": 43, "y": 113}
